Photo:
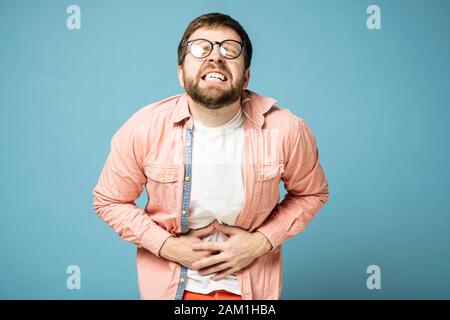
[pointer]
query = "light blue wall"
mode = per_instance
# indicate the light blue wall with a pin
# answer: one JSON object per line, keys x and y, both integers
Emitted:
{"x": 377, "y": 101}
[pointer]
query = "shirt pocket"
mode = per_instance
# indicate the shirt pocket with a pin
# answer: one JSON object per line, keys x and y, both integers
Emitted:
{"x": 162, "y": 184}
{"x": 270, "y": 177}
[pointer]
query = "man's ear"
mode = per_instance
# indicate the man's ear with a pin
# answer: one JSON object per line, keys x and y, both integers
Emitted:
{"x": 180, "y": 76}
{"x": 246, "y": 78}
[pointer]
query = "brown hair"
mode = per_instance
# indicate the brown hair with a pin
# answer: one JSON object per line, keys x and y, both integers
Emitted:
{"x": 213, "y": 20}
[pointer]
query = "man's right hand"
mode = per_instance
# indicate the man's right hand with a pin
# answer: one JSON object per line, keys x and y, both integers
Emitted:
{"x": 179, "y": 249}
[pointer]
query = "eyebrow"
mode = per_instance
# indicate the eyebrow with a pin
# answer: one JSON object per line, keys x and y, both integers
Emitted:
{"x": 213, "y": 40}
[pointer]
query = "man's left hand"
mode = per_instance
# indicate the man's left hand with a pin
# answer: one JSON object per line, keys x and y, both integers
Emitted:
{"x": 237, "y": 252}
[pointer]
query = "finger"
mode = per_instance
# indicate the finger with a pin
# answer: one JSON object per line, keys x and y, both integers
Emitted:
{"x": 211, "y": 246}
{"x": 227, "y": 230}
{"x": 215, "y": 268}
{"x": 223, "y": 274}
{"x": 203, "y": 232}
{"x": 208, "y": 261}
{"x": 202, "y": 254}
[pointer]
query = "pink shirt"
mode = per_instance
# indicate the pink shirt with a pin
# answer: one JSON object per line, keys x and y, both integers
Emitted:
{"x": 153, "y": 149}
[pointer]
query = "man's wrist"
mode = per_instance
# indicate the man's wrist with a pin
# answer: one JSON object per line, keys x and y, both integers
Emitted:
{"x": 166, "y": 248}
{"x": 265, "y": 245}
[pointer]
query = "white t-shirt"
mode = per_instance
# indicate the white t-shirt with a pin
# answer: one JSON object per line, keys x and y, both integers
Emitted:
{"x": 217, "y": 190}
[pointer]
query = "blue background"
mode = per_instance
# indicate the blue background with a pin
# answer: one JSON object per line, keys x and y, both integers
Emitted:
{"x": 377, "y": 101}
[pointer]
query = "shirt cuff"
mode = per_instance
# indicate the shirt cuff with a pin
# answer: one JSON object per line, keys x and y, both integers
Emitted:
{"x": 154, "y": 238}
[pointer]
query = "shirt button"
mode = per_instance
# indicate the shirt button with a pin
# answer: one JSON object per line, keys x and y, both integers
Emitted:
{"x": 183, "y": 212}
{"x": 188, "y": 144}
{"x": 187, "y": 178}
{"x": 182, "y": 280}
{"x": 162, "y": 178}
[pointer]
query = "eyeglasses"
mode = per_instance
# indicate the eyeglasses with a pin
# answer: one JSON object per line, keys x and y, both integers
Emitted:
{"x": 201, "y": 48}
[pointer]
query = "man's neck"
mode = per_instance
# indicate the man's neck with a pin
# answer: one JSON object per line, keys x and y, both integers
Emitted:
{"x": 211, "y": 117}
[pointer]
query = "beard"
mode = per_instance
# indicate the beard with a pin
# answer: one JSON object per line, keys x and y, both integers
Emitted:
{"x": 213, "y": 97}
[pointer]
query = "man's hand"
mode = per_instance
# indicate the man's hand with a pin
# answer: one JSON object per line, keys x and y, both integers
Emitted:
{"x": 179, "y": 249}
{"x": 237, "y": 252}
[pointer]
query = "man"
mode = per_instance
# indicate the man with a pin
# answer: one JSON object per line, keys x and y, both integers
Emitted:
{"x": 211, "y": 161}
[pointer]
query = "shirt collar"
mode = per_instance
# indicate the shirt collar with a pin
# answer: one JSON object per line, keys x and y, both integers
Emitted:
{"x": 254, "y": 107}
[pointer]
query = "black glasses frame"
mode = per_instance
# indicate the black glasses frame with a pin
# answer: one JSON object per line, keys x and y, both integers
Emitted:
{"x": 189, "y": 43}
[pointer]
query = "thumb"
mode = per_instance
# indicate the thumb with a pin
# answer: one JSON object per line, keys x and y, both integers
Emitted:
{"x": 228, "y": 230}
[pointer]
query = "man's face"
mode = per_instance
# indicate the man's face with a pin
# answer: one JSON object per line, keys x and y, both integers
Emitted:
{"x": 205, "y": 90}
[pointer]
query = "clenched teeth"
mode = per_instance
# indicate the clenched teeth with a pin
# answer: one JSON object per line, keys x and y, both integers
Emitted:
{"x": 215, "y": 75}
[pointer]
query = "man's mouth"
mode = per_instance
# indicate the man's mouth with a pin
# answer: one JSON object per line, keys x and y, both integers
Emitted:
{"x": 214, "y": 77}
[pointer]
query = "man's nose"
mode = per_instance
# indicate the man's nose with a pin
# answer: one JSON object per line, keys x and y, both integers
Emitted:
{"x": 215, "y": 54}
